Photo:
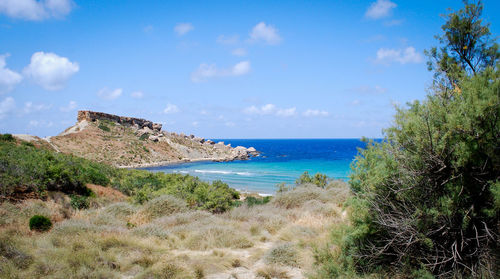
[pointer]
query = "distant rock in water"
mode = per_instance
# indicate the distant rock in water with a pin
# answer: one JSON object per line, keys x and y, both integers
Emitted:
{"x": 135, "y": 142}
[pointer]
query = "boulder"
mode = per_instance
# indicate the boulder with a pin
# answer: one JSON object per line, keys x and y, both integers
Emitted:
{"x": 157, "y": 126}
{"x": 252, "y": 151}
{"x": 240, "y": 152}
{"x": 154, "y": 138}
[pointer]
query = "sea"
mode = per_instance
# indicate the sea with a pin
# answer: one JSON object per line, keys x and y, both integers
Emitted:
{"x": 280, "y": 160}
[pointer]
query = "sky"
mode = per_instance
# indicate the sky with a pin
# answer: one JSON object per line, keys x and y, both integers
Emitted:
{"x": 218, "y": 69}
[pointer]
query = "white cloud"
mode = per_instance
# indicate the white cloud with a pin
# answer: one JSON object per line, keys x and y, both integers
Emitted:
{"x": 71, "y": 106}
{"x": 230, "y": 124}
{"x": 380, "y": 9}
{"x": 241, "y": 68}
{"x": 239, "y": 52}
{"x": 402, "y": 56}
{"x": 206, "y": 71}
{"x": 286, "y": 112}
{"x": 171, "y": 108}
{"x": 7, "y": 105}
{"x": 36, "y": 10}
{"x": 50, "y": 70}
{"x": 265, "y": 109}
{"x": 315, "y": 112}
{"x": 228, "y": 40}
{"x": 8, "y": 78}
{"x": 137, "y": 94}
{"x": 265, "y": 33}
{"x": 183, "y": 28}
{"x": 195, "y": 123}
{"x": 108, "y": 94}
{"x": 365, "y": 89}
{"x": 271, "y": 109}
{"x": 29, "y": 107}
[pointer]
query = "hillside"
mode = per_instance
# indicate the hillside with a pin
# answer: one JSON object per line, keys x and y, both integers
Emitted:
{"x": 134, "y": 142}
{"x": 108, "y": 222}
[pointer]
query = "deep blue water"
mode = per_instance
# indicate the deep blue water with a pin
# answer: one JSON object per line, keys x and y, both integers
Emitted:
{"x": 281, "y": 160}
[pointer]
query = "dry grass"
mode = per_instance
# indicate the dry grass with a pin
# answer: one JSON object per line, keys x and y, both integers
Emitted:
{"x": 164, "y": 239}
{"x": 107, "y": 193}
{"x": 272, "y": 272}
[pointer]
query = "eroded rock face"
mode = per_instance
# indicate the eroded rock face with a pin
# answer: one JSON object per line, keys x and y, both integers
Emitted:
{"x": 140, "y": 123}
{"x": 85, "y": 139}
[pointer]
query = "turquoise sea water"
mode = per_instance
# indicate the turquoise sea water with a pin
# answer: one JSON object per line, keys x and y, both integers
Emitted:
{"x": 281, "y": 160}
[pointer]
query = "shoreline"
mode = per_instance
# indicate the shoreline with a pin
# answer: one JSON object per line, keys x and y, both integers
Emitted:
{"x": 177, "y": 162}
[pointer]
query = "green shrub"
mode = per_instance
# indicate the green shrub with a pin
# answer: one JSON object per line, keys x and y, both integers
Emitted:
{"x": 94, "y": 175}
{"x": 318, "y": 179}
{"x": 40, "y": 223}
{"x": 27, "y": 143}
{"x": 144, "y": 136}
{"x": 103, "y": 127}
{"x": 79, "y": 202}
{"x": 40, "y": 170}
{"x": 6, "y": 137}
{"x": 432, "y": 181}
{"x": 251, "y": 201}
{"x": 426, "y": 198}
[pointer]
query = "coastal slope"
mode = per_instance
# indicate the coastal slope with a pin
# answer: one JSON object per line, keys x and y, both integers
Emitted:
{"x": 134, "y": 142}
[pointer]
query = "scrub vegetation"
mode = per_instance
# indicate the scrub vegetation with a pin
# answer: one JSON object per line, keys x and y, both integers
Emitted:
{"x": 426, "y": 200}
{"x": 67, "y": 217}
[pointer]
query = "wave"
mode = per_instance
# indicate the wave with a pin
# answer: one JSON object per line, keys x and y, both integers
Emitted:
{"x": 223, "y": 172}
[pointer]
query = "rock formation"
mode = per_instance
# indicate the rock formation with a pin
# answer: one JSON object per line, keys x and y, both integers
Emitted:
{"x": 136, "y": 142}
{"x": 92, "y": 116}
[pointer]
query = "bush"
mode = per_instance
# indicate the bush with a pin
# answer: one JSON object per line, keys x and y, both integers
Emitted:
{"x": 298, "y": 196}
{"x": 272, "y": 272}
{"x": 428, "y": 195}
{"x": 251, "y": 201}
{"x": 6, "y": 137}
{"x": 318, "y": 179}
{"x": 103, "y": 127}
{"x": 40, "y": 223}
{"x": 144, "y": 136}
{"x": 284, "y": 254}
{"x": 79, "y": 202}
{"x": 164, "y": 205}
{"x": 40, "y": 170}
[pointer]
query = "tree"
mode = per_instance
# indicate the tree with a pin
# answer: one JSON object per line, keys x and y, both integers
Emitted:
{"x": 427, "y": 198}
{"x": 466, "y": 48}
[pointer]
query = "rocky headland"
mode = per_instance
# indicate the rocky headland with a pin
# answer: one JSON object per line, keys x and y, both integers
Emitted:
{"x": 135, "y": 142}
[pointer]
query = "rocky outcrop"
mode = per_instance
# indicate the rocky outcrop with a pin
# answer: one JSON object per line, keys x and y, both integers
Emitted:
{"x": 92, "y": 116}
{"x": 136, "y": 142}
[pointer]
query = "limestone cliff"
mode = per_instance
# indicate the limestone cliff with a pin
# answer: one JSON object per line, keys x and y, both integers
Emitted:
{"x": 135, "y": 142}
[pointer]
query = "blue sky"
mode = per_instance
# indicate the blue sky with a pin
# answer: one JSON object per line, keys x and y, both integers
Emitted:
{"x": 218, "y": 69}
